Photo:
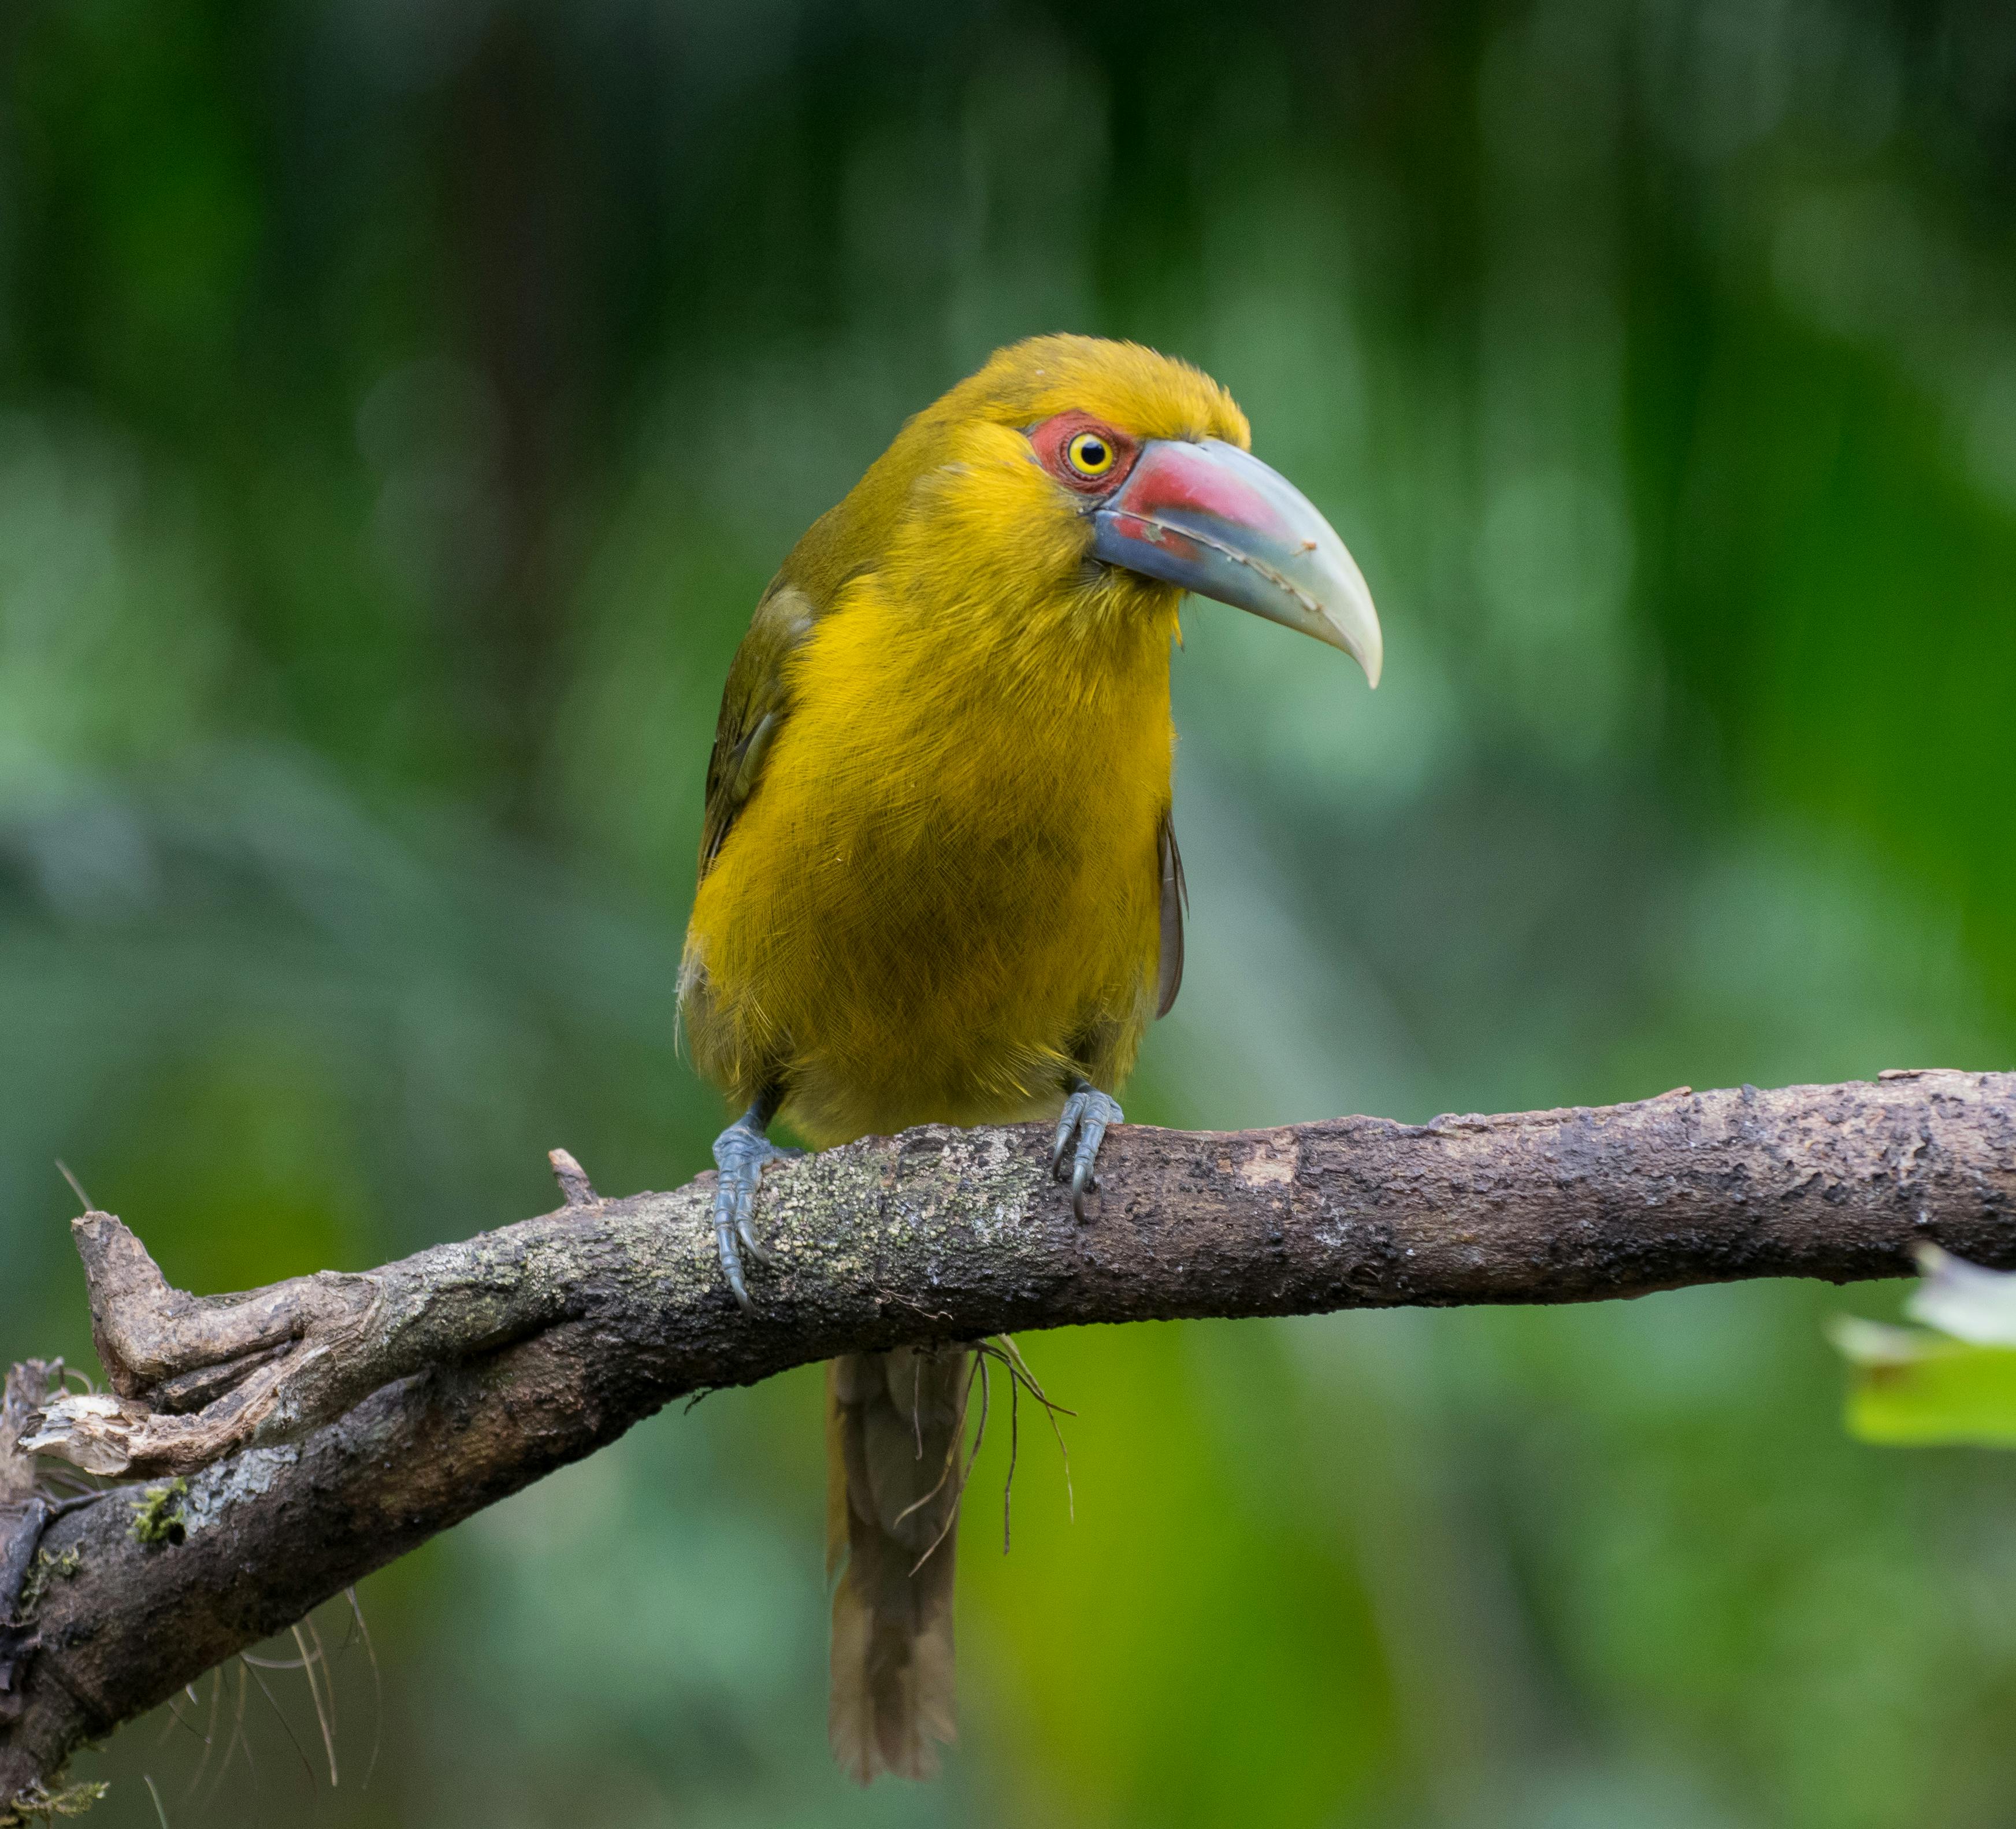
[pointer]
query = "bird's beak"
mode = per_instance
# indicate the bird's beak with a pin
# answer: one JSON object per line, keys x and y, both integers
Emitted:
{"x": 1216, "y": 520}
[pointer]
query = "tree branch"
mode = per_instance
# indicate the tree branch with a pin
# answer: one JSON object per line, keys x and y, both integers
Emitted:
{"x": 328, "y": 1424}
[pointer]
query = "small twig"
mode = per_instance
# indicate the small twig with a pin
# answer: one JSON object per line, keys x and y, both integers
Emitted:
{"x": 77, "y": 1502}
{"x": 904, "y": 1301}
{"x": 1019, "y": 1367}
{"x": 377, "y": 1685}
{"x": 238, "y": 1734}
{"x": 323, "y": 1694}
{"x": 575, "y": 1187}
{"x": 1014, "y": 1442}
{"x": 952, "y": 1455}
{"x": 79, "y": 1495}
{"x": 176, "y": 1719}
{"x": 75, "y": 1187}
{"x": 965, "y": 1474}
{"x": 272, "y": 1702}
{"x": 209, "y": 1732}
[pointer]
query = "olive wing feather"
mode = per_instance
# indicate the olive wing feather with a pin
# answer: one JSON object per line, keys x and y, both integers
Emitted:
{"x": 754, "y": 705}
{"x": 1176, "y": 900}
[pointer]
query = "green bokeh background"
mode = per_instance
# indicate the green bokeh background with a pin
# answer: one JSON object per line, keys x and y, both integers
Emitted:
{"x": 402, "y": 403}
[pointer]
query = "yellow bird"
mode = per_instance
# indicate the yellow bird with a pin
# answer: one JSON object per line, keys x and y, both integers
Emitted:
{"x": 939, "y": 879}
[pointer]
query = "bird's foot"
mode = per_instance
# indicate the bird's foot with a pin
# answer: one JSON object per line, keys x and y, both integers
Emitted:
{"x": 740, "y": 1153}
{"x": 1087, "y": 1113}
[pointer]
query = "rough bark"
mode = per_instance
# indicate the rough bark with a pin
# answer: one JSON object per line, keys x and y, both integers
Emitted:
{"x": 328, "y": 1424}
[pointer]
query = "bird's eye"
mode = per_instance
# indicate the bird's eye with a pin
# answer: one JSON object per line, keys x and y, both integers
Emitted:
{"x": 1090, "y": 454}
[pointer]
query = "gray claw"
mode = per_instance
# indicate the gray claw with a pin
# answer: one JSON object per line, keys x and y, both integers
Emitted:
{"x": 731, "y": 1260}
{"x": 1088, "y": 1112}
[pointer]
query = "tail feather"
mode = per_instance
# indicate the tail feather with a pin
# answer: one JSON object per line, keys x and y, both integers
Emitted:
{"x": 895, "y": 1424}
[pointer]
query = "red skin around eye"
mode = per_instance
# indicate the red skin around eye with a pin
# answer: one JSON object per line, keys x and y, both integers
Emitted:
{"x": 1051, "y": 439}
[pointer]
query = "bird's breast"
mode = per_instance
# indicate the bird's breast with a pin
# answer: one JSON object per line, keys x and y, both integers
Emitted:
{"x": 948, "y": 873}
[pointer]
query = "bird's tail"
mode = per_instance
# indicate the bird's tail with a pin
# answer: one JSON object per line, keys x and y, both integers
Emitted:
{"x": 895, "y": 1422}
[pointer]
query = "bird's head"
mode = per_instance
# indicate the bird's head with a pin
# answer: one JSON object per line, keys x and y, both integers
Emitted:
{"x": 1101, "y": 481}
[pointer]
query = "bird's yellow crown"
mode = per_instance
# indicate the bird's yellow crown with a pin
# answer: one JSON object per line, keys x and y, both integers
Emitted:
{"x": 1139, "y": 391}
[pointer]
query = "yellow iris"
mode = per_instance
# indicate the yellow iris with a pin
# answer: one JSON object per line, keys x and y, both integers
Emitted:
{"x": 1090, "y": 454}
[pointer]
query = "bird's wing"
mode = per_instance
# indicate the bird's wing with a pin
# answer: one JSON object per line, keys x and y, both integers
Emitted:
{"x": 1175, "y": 898}
{"x": 753, "y": 706}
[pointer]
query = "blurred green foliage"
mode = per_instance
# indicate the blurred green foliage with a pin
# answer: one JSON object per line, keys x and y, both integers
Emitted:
{"x": 401, "y": 408}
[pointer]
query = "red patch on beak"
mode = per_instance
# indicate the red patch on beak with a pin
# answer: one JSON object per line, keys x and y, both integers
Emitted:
{"x": 1180, "y": 479}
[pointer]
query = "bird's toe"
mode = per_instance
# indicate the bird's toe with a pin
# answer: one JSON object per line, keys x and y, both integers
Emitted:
{"x": 745, "y": 1233}
{"x": 740, "y": 1152}
{"x": 1087, "y": 1114}
{"x": 725, "y": 1230}
{"x": 1066, "y": 1124}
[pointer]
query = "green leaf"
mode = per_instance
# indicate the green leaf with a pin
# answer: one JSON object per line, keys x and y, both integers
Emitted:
{"x": 1916, "y": 1388}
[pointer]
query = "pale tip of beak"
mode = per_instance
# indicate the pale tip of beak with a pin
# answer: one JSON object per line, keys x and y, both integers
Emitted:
{"x": 1350, "y": 614}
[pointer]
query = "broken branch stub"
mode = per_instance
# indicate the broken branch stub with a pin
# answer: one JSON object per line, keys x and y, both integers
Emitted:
{"x": 192, "y": 1379}
{"x": 195, "y": 1379}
